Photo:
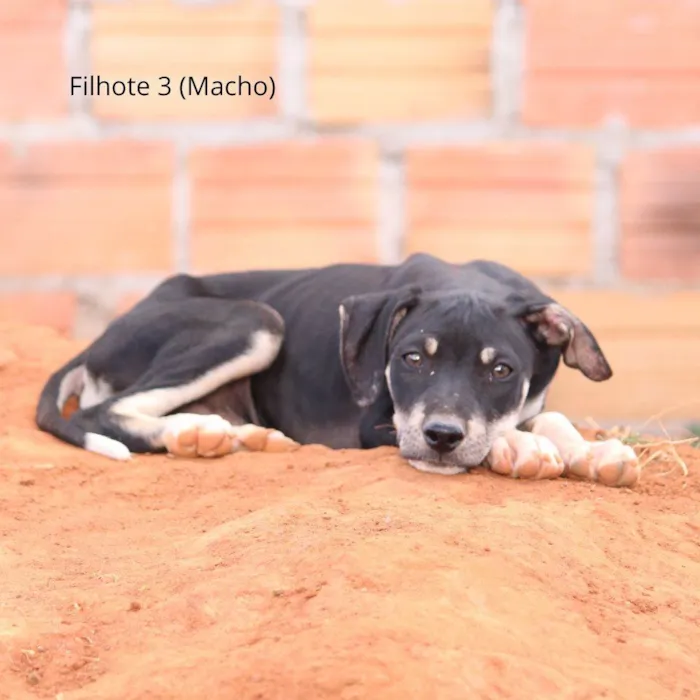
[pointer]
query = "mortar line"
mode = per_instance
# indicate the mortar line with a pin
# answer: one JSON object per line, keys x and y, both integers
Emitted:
{"x": 507, "y": 61}
{"x": 117, "y": 283}
{"x": 391, "y": 196}
{"x": 181, "y": 210}
{"x": 137, "y": 282}
{"x": 606, "y": 206}
{"x": 76, "y": 49}
{"x": 292, "y": 56}
{"x": 438, "y": 133}
{"x": 605, "y": 225}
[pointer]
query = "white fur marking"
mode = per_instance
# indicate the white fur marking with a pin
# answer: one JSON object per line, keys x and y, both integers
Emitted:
{"x": 102, "y": 445}
{"x": 476, "y": 428}
{"x": 414, "y": 419}
{"x": 526, "y": 388}
{"x": 431, "y": 345}
{"x": 532, "y": 408}
{"x": 504, "y": 424}
{"x": 72, "y": 383}
{"x": 488, "y": 355}
{"x": 387, "y": 374}
{"x": 142, "y": 413}
{"x": 396, "y": 320}
{"x": 342, "y": 312}
{"x": 95, "y": 391}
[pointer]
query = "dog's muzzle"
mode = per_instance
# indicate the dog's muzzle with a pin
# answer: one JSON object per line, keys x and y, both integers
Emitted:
{"x": 440, "y": 443}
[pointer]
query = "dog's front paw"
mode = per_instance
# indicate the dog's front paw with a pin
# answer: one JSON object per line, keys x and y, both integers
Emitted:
{"x": 525, "y": 456}
{"x": 610, "y": 462}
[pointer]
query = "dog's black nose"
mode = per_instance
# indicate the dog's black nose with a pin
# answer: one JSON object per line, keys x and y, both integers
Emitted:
{"x": 443, "y": 437}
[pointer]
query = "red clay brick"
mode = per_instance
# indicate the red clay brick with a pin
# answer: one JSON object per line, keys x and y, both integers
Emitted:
{"x": 284, "y": 205}
{"x": 54, "y": 309}
{"x": 660, "y": 211}
{"x": 147, "y": 40}
{"x": 635, "y": 58}
{"x": 376, "y": 60}
{"x": 32, "y": 70}
{"x": 527, "y": 205}
{"x": 86, "y": 208}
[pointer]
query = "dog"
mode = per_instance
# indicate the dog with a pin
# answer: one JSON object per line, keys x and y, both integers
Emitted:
{"x": 451, "y": 363}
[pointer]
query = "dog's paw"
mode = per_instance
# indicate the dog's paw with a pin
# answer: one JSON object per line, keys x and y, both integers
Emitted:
{"x": 253, "y": 438}
{"x": 525, "y": 456}
{"x": 609, "y": 462}
{"x": 194, "y": 435}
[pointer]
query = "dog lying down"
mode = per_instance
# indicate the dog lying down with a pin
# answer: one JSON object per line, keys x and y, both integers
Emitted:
{"x": 451, "y": 363}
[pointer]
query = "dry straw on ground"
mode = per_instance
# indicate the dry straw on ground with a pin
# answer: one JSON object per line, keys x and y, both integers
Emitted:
{"x": 648, "y": 448}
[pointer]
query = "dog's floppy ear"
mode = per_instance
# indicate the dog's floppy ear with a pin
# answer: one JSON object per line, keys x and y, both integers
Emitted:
{"x": 552, "y": 324}
{"x": 367, "y": 324}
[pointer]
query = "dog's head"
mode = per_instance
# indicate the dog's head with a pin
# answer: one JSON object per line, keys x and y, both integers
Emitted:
{"x": 459, "y": 367}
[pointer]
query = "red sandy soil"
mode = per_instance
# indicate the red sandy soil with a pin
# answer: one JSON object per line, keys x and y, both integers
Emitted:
{"x": 326, "y": 574}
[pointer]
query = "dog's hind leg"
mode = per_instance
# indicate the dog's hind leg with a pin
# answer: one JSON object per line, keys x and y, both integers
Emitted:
{"x": 197, "y": 357}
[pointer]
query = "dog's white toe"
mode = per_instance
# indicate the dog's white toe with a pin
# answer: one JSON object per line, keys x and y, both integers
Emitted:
{"x": 610, "y": 462}
{"x": 193, "y": 435}
{"x": 525, "y": 456}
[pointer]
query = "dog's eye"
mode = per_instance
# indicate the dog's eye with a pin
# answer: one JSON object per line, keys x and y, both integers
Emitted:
{"x": 502, "y": 370}
{"x": 413, "y": 359}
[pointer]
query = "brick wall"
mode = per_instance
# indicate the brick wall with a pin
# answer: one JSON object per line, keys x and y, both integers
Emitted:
{"x": 561, "y": 137}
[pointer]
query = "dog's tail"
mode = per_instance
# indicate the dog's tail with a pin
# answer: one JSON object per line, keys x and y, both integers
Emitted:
{"x": 66, "y": 382}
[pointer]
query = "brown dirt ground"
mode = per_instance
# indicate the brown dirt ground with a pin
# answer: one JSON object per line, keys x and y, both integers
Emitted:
{"x": 326, "y": 574}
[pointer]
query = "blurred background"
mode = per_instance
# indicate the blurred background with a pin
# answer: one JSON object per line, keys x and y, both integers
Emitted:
{"x": 561, "y": 137}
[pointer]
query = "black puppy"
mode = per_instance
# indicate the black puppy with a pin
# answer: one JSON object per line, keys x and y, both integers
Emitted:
{"x": 443, "y": 360}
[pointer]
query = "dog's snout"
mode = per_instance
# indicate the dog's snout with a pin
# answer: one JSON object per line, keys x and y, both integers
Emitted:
{"x": 443, "y": 437}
